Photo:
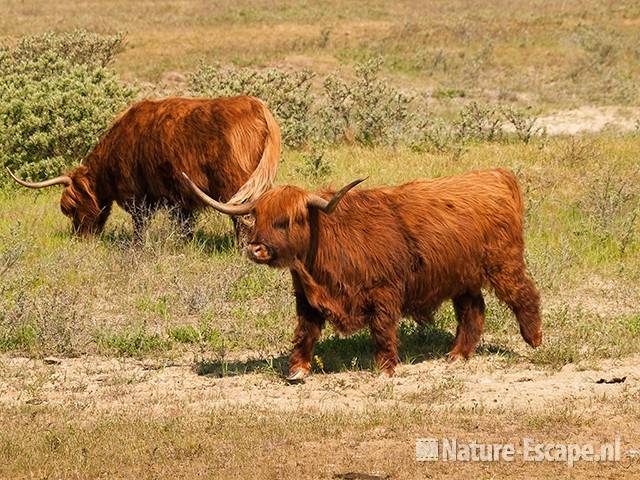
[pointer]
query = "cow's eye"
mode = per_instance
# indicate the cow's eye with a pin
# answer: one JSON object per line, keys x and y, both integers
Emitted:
{"x": 281, "y": 224}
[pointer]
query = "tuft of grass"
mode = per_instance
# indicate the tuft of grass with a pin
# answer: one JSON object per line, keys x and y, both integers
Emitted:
{"x": 633, "y": 325}
{"x": 21, "y": 338}
{"x": 131, "y": 342}
{"x": 185, "y": 334}
{"x": 444, "y": 93}
{"x": 567, "y": 416}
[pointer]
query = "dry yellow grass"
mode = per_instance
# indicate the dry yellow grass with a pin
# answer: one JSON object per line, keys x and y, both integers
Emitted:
{"x": 545, "y": 53}
{"x": 92, "y": 418}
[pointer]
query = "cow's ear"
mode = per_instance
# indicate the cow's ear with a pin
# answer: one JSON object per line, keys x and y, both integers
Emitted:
{"x": 328, "y": 206}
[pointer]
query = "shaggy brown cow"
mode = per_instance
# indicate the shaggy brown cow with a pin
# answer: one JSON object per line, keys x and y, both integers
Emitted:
{"x": 386, "y": 252}
{"x": 229, "y": 146}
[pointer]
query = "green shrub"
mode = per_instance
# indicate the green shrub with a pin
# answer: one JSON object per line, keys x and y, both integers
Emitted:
{"x": 477, "y": 122}
{"x": 56, "y": 98}
{"x": 314, "y": 164}
{"x": 286, "y": 93}
{"x": 368, "y": 109}
{"x": 611, "y": 205}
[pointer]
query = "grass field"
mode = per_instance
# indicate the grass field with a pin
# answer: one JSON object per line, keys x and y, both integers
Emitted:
{"x": 168, "y": 358}
{"x": 66, "y": 296}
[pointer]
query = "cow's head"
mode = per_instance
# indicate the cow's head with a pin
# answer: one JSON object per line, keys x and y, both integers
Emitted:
{"x": 281, "y": 231}
{"x": 78, "y": 201}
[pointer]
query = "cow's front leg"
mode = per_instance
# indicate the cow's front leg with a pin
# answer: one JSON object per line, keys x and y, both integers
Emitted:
{"x": 317, "y": 296}
{"x": 310, "y": 323}
{"x": 384, "y": 330}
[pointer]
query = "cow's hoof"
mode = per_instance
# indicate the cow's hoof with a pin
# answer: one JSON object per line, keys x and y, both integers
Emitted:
{"x": 297, "y": 375}
{"x": 386, "y": 374}
{"x": 454, "y": 356}
{"x": 535, "y": 340}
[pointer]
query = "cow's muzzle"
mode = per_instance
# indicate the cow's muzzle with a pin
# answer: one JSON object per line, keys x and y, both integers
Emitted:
{"x": 259, "y": 252}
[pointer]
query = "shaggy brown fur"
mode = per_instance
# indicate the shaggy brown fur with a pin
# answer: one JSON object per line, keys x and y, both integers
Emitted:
{"x": 229, "y": 146}
{"x": 388, "y": 252}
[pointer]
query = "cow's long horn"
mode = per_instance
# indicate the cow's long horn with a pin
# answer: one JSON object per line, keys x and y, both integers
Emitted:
{"x": 61, "y": 180}
{"x": 327, "y": 206}
{"x": 236, "y": 210}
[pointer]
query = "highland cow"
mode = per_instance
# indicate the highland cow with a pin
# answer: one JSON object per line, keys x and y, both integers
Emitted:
{"x": 229, "y": 146}
{"x": 368, "y": 257}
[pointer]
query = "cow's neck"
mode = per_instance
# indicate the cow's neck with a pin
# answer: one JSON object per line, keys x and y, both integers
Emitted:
{"x": 313, "y": 243}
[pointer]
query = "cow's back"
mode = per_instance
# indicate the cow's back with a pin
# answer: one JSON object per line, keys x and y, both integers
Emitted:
{"x": 458, "y": 224}
{"x": 428, "y": 239}
{"x": 217, "y": 142}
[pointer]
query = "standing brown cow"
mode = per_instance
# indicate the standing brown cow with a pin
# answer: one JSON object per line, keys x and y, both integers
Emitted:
{"x": 229, "y": 146}
{"x": 371, "y": 256}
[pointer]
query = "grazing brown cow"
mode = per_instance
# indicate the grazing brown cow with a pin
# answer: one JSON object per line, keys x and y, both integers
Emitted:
{"x": 369, "y": 257}
{"x": 229, "y": 146}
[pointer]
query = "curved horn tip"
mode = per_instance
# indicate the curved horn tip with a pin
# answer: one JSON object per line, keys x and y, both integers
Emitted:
{"x": 359, "y": 180}
{"x": 329, "y": 206}
{"x": 10, "y": 173}
{"x": 61, "y": 180}
{"x": 235, "y": 210}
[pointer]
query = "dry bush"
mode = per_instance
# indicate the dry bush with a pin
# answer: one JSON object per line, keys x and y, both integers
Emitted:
{"x": 611, "y": 205}
{"x": 368, "y": 109}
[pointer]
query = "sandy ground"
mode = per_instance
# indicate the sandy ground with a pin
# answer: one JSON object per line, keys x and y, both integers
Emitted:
{"x": 118, "y": 385}
{"x": 591, "y": 119}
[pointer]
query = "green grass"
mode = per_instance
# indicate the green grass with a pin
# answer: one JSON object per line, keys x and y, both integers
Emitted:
{"x": 65, "y": 295}
{"x": 131, "y": 341}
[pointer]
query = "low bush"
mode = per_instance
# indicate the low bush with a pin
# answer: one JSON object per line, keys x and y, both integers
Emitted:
{"x": 56, "y": 97}
{"x": 368, "y": 109}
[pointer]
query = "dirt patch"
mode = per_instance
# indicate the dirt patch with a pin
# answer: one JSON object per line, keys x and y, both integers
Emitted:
{"x": 125, "y": 418}
{"x": 120, "y": 385}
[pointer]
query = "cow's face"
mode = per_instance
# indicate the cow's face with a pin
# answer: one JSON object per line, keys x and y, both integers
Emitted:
{"x": 78, "y": 202}
{"x": 281, "y": 231}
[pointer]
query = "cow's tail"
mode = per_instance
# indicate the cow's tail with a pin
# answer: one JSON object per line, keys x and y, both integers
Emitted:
{"x": 262, "y": 177}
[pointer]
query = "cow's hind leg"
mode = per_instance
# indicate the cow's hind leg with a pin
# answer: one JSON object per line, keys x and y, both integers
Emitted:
{"x": 514, "y": 287}
{"x": 469, "y": 309}
{"x": 140, "y": 214}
